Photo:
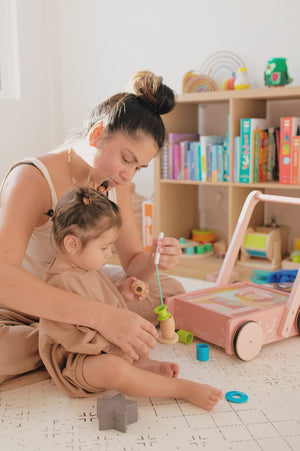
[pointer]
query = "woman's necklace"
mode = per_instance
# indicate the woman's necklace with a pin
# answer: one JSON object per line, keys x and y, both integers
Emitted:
{"x": 69, "y": 159}
{"x": 101, "y": 188}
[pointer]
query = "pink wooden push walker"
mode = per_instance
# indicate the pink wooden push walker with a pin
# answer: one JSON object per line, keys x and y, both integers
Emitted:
{"x": 240, "y": 317}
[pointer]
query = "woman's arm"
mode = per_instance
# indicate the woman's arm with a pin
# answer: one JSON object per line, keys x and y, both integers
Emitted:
{"x": 133, "y": 257}
{"x": 24, "y": 200}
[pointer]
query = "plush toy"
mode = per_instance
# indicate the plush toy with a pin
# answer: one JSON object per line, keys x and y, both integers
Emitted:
{"x": 276, "y": 73}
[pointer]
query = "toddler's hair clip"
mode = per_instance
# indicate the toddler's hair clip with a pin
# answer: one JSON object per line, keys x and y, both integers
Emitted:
{"x": 87, "y": 200}
{"x": 50, "y": 213}
{"x": 103, "y": 187}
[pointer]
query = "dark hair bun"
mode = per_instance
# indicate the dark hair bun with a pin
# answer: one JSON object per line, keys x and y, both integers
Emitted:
{"x": 150, "y": 89}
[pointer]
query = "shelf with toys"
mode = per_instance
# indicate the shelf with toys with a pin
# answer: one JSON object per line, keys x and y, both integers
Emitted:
{"x": 182, "y": 205}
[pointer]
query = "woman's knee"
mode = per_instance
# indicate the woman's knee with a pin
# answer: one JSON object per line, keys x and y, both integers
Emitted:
{"x": 18, "y": 349}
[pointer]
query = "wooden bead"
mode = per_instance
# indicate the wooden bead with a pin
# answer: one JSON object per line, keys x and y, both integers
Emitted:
{"x": 138, "y": 287}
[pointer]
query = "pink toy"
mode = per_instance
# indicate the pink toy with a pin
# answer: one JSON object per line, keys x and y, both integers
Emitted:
{"x": 241, "y": 317}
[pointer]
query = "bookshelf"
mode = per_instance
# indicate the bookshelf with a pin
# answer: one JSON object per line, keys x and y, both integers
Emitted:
{"x": 182, "y": 205}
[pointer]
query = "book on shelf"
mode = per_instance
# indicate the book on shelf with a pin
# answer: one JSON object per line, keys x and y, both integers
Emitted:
{"x": 289, "y": 127}
{"x": 176, "y": 162}
{"x": 164, "y": 161}
{"x": 213, "y": 150}
{"x": 260, "y": 155}
{"x": 248, "y": 125}
{"x": 263, "y": 156}
{"x": 256, "y": 150}
{"x": 186, "y": 157}
{"x": 275, "y": 172}
{"x": 175, "y": 139}
{"x": 221, "y": 163}
{"x": 205, "y": 142}
{"x": 236, "y": 159}
{"x": 197, "y": 174}
{"x": 204, "y": 158}
{"x": 295, "y": 172}
{"x": 271, "y": 154}
{"x": 226, "y": 160}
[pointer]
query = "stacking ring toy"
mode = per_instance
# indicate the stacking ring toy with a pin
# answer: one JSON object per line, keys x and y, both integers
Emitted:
{"x": 236, "y": 396}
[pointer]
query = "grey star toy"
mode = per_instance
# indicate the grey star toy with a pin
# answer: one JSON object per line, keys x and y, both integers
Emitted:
{"x": 116, "y": 413}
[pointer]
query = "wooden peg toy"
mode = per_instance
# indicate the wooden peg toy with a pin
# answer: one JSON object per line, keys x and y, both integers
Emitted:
{"x": 167, "y": 334}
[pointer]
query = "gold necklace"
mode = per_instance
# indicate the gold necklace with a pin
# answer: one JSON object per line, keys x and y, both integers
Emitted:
{"x": 101, "y": 188}
{"x": 69, "y": 159}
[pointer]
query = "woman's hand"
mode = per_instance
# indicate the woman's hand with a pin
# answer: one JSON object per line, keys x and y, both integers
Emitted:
{"x": 170, "y": 252}
{"x": 126, "y": 329}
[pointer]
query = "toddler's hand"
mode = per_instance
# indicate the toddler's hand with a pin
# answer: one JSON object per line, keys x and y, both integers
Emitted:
{"x": 133, "y": 289}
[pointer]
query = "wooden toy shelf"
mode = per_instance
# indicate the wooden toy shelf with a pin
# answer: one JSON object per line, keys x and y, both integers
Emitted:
{"x": 176, "y": 205}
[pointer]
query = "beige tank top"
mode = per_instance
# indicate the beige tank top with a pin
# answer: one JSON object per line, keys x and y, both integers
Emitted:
{"x": 40, "y": 251}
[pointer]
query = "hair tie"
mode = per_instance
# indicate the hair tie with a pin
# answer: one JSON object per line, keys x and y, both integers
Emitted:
{"x": 50, "y": 213}
{"x": 87, "y": 200}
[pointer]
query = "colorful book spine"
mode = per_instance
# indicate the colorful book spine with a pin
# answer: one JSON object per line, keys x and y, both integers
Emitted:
{"x": 248, "y": 125}
{"x": 175, "y": 139}
{"x": 191, "y": 162}
{"x": 236, "y": 158}
{"x": 170, "y": 157}
{"x": 176, "y": 162}
{"x": 197, "y": 160}
{"x": 288, "y": 129}
{"x": 275, "y": 173}
{"x": 205, "y": 142}
{"x": 295, "y": 160}
{"x": 185, "y": 149}
{"x": 226, "y": 160}
{"x": 271, "y": 154}
{"x": 182, "y": 161}
{"x": 263, "y": 156}
{"x": 256, "y": 151}
{"x": 220, "y": 152}
{"x": 164, "y": 161}
{"x": 214, "y": 162}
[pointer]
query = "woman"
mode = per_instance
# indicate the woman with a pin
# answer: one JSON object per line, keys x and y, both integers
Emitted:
{"x": 122, "y": 136}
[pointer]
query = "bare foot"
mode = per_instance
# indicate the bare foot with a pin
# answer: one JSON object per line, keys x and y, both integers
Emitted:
{"x": 202, "y": 395}
{"x": 168, "y": 369}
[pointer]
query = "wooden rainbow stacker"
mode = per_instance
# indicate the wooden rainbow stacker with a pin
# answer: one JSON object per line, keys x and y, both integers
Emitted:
{"x": 241, "y": 317}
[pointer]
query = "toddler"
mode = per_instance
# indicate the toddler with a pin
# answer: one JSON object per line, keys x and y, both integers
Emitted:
{"x": 79, "y": 359}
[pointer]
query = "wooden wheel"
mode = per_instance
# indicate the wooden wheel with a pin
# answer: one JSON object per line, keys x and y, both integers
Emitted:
{"x": 248, "y": 340}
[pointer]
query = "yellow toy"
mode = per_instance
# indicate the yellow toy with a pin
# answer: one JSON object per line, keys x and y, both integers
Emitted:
{"x": 241, "y": 80}
{"x": 257, "y": 246}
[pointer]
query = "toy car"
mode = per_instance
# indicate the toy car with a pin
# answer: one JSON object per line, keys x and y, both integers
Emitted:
{"x": 241, "y": 317}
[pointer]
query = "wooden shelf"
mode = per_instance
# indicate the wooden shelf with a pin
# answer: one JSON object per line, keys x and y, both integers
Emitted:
{"x": 197, "y": 269}
{"x": 177, "y": 204}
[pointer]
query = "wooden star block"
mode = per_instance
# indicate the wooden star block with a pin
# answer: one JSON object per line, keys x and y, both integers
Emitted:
{"x": 116, "y": 413}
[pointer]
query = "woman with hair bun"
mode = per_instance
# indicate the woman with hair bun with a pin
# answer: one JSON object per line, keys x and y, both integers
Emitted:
{"x": 123, "y": 134}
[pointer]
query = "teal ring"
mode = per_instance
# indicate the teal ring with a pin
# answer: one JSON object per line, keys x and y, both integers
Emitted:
{"x": 236, "y": 396}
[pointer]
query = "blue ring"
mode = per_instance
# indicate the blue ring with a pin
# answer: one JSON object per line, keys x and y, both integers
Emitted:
{"x": 236, "y": 396}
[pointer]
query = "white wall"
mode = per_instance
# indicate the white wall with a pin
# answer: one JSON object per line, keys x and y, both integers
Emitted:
{"x": 75, "y": 53}
{"x": 27, "y": 126}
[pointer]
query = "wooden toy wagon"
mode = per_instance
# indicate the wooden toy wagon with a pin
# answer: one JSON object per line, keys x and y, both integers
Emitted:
{"x": 241, "y": 317}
